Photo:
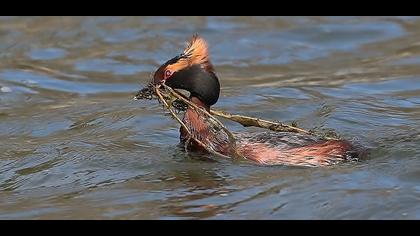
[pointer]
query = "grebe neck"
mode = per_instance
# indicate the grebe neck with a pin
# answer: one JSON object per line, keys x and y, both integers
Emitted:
{"x": 199, "y": 103}
{"x": 194, "y": 121}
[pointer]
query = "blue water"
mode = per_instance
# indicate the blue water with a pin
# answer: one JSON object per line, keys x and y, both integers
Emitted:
{"x": 76, "y": 146}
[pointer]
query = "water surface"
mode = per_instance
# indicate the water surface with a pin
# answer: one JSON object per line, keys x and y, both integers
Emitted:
{"x": 75, "y": 146}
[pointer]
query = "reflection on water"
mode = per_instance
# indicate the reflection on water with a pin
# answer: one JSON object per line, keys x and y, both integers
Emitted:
{"x": 74, "y": 144}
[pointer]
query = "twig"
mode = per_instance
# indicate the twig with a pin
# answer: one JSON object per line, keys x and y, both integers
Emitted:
{"x": 189, "y": 103}
{"x": 251, "y": 121}
{"x": 190, "y": 135}
{"x": 170, "y": 110}
{"x": 245, "y": 121}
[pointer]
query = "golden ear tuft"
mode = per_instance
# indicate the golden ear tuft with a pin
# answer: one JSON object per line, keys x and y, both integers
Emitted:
{"x": 197, "y": 52}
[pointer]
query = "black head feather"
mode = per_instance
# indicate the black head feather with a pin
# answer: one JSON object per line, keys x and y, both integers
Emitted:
{"x": 199, "y": 82}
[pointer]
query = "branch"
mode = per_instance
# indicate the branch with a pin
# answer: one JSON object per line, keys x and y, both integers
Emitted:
{"x": 190, "y": 135}
{"x": 246, "y": 121}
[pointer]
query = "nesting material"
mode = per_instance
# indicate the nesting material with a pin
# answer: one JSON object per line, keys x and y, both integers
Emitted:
{"x": 175, "y": 102}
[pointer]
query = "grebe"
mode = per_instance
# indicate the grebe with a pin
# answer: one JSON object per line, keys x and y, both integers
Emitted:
{"x": 192, "y": 71}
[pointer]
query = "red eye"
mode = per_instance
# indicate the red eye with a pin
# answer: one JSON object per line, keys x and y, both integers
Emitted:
{"x": 168, "y": 73}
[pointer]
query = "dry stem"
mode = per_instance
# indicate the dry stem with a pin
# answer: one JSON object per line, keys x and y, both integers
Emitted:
{"x": 190, "y": 135}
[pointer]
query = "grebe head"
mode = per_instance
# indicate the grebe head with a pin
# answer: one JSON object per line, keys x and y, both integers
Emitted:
{"x": 192, "y": 71}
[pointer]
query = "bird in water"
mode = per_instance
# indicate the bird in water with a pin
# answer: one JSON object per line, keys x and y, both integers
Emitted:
{"x": 193, "y": 71}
